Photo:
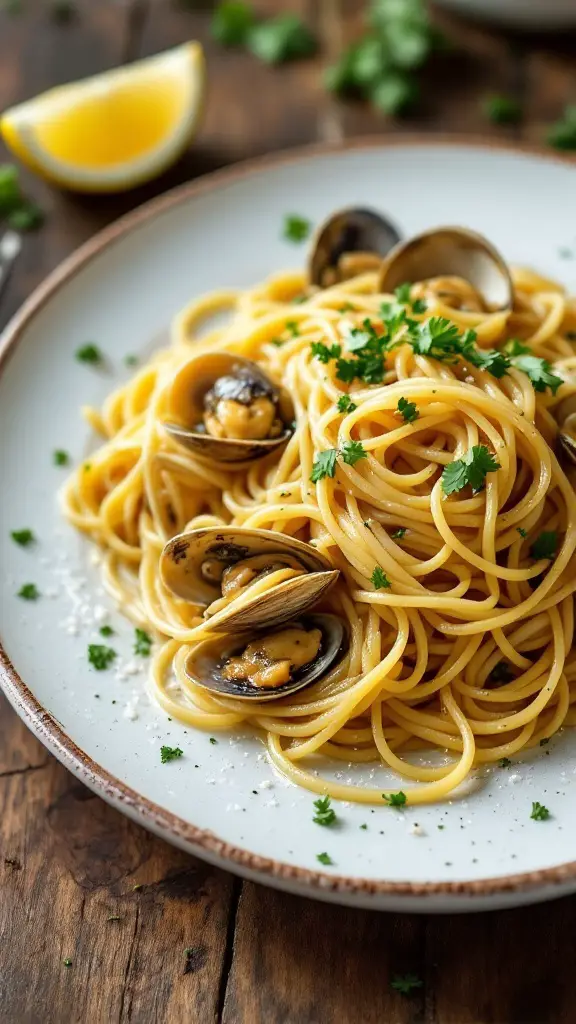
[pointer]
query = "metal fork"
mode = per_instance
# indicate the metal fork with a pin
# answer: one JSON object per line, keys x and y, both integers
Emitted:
{"x": 10, "y": 248}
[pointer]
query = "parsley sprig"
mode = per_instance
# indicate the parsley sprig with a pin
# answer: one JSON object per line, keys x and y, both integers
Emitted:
{"x": 325, "y": 462}
{"x": 325, "y": 814}
{"x": 170, "y": 754}
{"x": 142, "y": 642}
{"x": 471, "y": 469}
{"x": 379, "y": 579}
{"x": 545, "y": 545}
{"x": 100, "y": 656}
{"x": 407, "y": 410}
{"x": 395, "y": 799}
{"x": 539, "y": 812}
{"x": 23, "y": 537}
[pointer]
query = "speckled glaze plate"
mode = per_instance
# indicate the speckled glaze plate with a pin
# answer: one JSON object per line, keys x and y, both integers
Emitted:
{"x": 222, "y": 800}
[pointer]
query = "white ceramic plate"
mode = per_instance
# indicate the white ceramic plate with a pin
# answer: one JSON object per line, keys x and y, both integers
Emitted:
{"x": 222, "y": 800}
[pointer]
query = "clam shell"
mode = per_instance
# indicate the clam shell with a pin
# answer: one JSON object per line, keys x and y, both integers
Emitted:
{"x": 348, "y": 231}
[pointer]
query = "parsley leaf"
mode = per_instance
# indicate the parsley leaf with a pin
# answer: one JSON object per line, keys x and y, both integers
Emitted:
{"x": 395, "y": 799}
{"x": 407, "y": 410}
{"x": 324, "y": 858}
{"x": 379, "y": 579}
{"x": 325, "y": 815}
{"x": 100, "y": 657}
{"x": 402, "y": 293}
{"x": 296, "y": 228}
{"x": 514, "y": 347}
{"x": 501, "y": 109}
{"x": 324, "y": 352}
{"x": 23, "y": 537}
{"x": 491, "y": 360}
{"x": 352, "y": 452}
{"x": 562, "y": 134}
{"x": 27, "y": 217}
{"x": 545, "y": 545}
{"x": 405, "y": 983}
{"x": 89, "y": 353}
{"x": 436, "y": 337}
{"x": 348, "y": 369}
{"x": 232, "y": 22}
{"x": 324, "y": 465}
{"x": 504, "y": 762}
{"x": 399, "y": 533}
{"x": 170, "y": 754}
{"x": 281, "y": 39}
{"x": 293, "y": 327}
{"x": 106, "y": 631}
{"x": 539, "y": 811}
{"x": 61, "y": 458}
{"x": 29, "y": 592}
{"x": 10, "y": 195}
{"x": 471, "y": 469}
{"x": 131, "y": 360}
{"x": 142, "y": 642}
{"x": 538, "y": 370}
{"x": 522, "y": 531}
{"x": 345, "y": 404}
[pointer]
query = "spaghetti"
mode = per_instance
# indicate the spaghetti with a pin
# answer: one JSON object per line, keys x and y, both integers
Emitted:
{"x": 468, "y": 649}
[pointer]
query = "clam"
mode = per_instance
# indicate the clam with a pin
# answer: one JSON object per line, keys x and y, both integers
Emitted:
{"x": 224, "y": 408}
{"x": 265, "y": 664}
{"x": 447, "y": 252}
{"x": 350, "y": 242}
{"x": 207, "y": 565}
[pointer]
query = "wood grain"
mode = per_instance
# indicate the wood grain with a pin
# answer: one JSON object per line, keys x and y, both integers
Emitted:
{"x": 190, "y": 943}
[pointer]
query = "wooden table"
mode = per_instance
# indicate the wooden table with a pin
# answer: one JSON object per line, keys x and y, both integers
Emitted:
{"x": 154, "y": 935}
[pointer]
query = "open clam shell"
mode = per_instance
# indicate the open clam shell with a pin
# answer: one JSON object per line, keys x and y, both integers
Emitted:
{"x": 189, "y": 567}
{"x": 206, "y": 662}
{"x": 236, "y": 379}
{"x": 451, "y": 252}
{"x": 348, "y": 243}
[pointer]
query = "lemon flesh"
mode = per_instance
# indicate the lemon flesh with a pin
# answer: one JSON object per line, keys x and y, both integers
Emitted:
{"x": 115, "y": 130}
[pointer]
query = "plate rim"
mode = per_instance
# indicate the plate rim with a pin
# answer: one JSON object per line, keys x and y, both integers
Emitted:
{"x": 48, "y": 730}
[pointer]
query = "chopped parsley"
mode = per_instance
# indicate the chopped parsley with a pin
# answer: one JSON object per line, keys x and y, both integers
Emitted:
{"x": 293, "y": 328}
{"x": 407, "y": 410}
{"x": 405, "y": 984}
{"x": 131, "y": 360}
{"x": 471, "y": 469}
{"x": 325, "y": 814}
{"x": 281, "y": 39}
{"x": 213, "y": 740}
{"x": 106, "y": 631}
{"x": 170, "y": 754}
{"x": 61, "y": 458}
{"x": 324, "y": 465}
{"x": 504, "y": 762}
{"x": 27, "y": 217}
{"x": 379, "y": 579}
{"x": 89, "y": 353}
{"x": 23, "y": 537}
{"x": 395, "y": 799}
{"x": 523, "y": 533}
{"x": 545, "y": 545}
{"x": 296, "y": 228}
{"x": 345, "y": 404}
{"x": 437, "y": 338}
{"x": 515, "y": 347}
{"x": 29, "y": 592}
{"x": 363, "y": 827}
{"x": 324, "y": 858}
{"x": 142, "y": 642}
{"x": 67, "y": 962}
{"x": 399, "y": 533}
{"x": 232, "y": 22}
{"x": 352, "y": 452}
{"x": 539, "y": 812}
{"x": 562, "y": 134}
{"x": 324, "y": 353}
{"x": 501, "y": 109}
{"x": 100, "y": 657}
{"x": 539, "y": 372}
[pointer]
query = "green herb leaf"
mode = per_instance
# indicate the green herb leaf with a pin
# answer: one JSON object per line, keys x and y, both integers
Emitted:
{"x": 501, "y": 109}
{"x": 325, "y": 815}
{"x": 471, "y": 469}
{"x": 494, "y": 362}
{"x": 296, "y": 228}
{"x": 324, "y": 858}
{"x": 405, "y": 984}
{"x": 545, "y": 545}
{"x": 27, "y": 217}
{"x": 379, "y": 579}
{"x": 352, "y": 452}
{"x": 325, "y": 353}
{"x": 539, "y": 812}
{"x": 539, "y": 372}
{"x": 407, "y": 410}
{"x": 395, "y": 94}
{"x": 232, "y": 22}
{"x": 170, "y": 754}
{"x": 61, "y": 458}
{"x": 504, "y": 762}
{"x": 89, "y": 353}
{"x": 100, "y": 657}
{"x": 131, "y": 360}
{"x": 515, "y": 347}
{"x": 399, "y": 533}
{"x": 402, "y": 293}
{"x": 324, "y": 465}
{"x": 293, "y": 327}
{"x": 522, "y": 531}
{"x": 23, "y": 537}
{"x": 67, "y": 962}
{"x": 395, "y": 799}
{"x": 213, "y": 741}
{"x": 436, "y": 337}
{"x": 142, "y": 642}
{"x": 345, "y": 404}
{"x": 106, "y": 631}
{"x": 562, "y": 134}
{"x": 281, "y": 39}
{"x": 29, "y": 592}
{"x": 10, "y": 194}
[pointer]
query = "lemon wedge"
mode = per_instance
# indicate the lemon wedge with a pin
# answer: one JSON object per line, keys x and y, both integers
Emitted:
{"x": 115, "y": 130}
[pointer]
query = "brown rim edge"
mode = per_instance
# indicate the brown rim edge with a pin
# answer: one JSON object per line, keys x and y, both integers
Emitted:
{"x": 48, "y": 730}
